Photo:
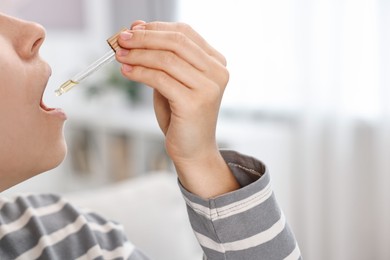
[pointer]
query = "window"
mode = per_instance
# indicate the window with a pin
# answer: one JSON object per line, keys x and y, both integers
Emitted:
{"x": 257, "y": 38}
{"x": 284, "y": 56}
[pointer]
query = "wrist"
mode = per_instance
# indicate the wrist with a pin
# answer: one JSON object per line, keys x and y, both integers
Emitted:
{"x": 208, "y": 176}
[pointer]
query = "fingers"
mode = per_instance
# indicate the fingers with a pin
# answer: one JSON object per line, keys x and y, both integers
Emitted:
{"x": 173, "y": 59}
{"x": 137, "y": 23}
{"x": 175, "y": 91}
{"x": 169, "y": 87}
{"x": 190, "y": 33}
{"x": 164, "y": 61}
{"x": 171, "y": 43}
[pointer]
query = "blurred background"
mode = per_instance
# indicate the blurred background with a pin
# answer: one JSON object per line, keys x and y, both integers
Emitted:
{"x": 309, "y": 95}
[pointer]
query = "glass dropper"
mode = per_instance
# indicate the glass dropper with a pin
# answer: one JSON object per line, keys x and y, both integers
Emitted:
{"x": 105, "y": 59}
{"x": 68, "y": 85}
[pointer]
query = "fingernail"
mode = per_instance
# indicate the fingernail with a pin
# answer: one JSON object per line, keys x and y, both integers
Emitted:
{"x": 125, "y": 35}
{"x": 122, "y": 52}
{"x": 139, "y": 27}
{"x": 127, "y": 68}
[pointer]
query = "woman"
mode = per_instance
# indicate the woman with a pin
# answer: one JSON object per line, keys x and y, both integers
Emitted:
{"x": 230, "y": 204}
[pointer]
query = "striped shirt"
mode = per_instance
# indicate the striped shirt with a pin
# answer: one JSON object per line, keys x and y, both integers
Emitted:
{"x": 244, "y": 224}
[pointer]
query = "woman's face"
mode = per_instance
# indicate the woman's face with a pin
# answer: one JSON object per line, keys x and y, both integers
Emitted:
{"x": 31, "y": 138}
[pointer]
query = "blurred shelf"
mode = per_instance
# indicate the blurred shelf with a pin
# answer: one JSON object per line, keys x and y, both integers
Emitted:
{"x": 112, "y": 143}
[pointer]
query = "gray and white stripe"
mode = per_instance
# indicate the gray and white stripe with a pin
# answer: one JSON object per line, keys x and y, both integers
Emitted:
{"x": 60, "y": 227}
{"x": 245, "y": 243}
{"x": 233, "y": 208}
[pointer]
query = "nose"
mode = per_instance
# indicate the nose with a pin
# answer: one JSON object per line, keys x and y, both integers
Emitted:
{"x": 26, "y": 37}
{"x": 30, "y": 38}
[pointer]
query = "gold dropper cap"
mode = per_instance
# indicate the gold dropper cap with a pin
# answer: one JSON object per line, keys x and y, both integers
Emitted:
{"x": 113, "y": 40}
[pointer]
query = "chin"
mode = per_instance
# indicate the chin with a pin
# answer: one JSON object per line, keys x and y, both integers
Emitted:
{"x": 50, "y": 157}
{"x": 21, "y": 174}
{"x": 13, "y": 172}
{"x": 55, "y": 157}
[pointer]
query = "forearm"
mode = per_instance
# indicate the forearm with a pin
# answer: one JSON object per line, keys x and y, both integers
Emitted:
{"x": 243, "y": 224}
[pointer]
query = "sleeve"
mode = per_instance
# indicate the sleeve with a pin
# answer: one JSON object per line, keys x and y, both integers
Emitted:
{"x": 45, "y": 226}
{"x": 243, "y": 224}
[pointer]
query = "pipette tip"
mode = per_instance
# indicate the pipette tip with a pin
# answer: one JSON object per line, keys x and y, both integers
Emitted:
{"x": 58, "y": 92}
{"x": 65, "y": 87}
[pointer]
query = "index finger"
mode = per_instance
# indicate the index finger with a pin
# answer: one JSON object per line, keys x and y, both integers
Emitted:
{"x": 188, "y": 31}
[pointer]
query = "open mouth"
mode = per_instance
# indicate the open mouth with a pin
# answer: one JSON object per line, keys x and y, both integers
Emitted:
{"x": 58, "y": 112}
{"x": 41, "y": 104}
{"x": 44, "y": 107}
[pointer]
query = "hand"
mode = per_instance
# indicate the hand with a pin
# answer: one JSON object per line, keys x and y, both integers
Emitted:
{"x": 188, "y": 77}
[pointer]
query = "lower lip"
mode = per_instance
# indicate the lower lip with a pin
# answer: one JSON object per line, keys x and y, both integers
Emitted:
{"x": 57, "y": 112}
